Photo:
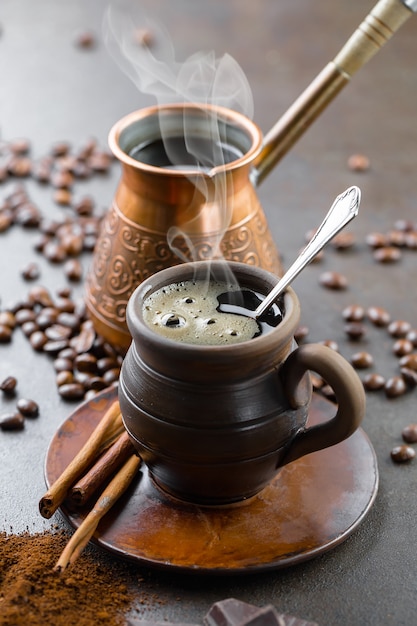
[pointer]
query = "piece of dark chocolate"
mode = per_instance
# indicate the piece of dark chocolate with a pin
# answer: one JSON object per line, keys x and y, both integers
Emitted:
{"x": 232, "y": 612}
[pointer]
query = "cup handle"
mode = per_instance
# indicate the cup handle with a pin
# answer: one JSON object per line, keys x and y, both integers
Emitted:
{"x": 347, "y": 386}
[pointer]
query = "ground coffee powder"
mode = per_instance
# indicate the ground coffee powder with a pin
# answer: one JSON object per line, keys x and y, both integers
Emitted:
{"x": 95, "y": 591}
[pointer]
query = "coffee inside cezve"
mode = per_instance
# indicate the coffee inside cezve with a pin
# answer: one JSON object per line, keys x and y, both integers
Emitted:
{"x": 196, "y": 153}
{"x": 214, "y": 313}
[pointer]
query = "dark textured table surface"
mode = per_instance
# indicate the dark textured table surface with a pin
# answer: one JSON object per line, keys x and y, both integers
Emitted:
{"x": 52, "y": 90}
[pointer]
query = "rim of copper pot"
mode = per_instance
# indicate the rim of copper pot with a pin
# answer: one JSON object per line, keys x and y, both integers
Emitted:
{"x": 236, "y": 119}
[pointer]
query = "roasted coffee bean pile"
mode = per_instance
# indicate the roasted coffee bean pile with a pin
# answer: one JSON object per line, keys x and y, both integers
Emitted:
{"x": 386, "y": 247}
{"x": 59, "y": 327}
{"x": 404, "y": 347}
{"x": 56, "y": 324}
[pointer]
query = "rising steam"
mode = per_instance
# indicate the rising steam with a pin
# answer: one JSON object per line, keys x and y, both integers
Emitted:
{"x": 200, "y": 79}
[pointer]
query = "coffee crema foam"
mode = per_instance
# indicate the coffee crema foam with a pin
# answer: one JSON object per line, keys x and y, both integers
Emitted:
{"x": 187, "y": 312}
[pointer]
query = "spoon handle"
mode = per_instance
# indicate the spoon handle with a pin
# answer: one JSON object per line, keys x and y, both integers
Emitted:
{"x": 343, "y": 210}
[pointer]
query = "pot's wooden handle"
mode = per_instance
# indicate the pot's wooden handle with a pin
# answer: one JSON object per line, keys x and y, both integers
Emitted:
{"x": 376, "y": 29}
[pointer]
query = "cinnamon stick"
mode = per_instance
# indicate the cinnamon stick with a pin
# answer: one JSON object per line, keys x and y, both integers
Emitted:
{"x": 86, "y": 530}
{"x": 106, "y": 465}
{"x": 108, "y": 428}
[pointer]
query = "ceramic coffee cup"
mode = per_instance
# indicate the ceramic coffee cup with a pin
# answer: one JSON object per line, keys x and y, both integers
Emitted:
{"x": 214, "y": 423}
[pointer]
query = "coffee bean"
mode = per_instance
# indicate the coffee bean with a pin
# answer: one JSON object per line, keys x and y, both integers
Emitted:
{"x": 409, "y": 361}
{"x": 409, "y": 376}
{"x": 49, "y": 227}
{"x": 402, "y": 454}
{"x": 412, "y": 336}
{"x": 71, "y": 391}
{"x": 333, "y": 280}
{"x": 60, "y": 148}
{"x": 106, "y": 363}
{"x": 56, "y": 332}
{"x": 81, "y": 170}
{"x": 47, "y": 317}
{"x": 330, "y": 343}
{"x": 53, "y": 347}
{"x": 5, "y": 333}
{"x": 6, "y": 220}
{"x": 63, "y": 197}
{"x": 402, "y": 347}
{"x": 87, "y": 149}
{"x": 387, "y": 254}
{"x": 409, "y": 433}
{"x": 28, "y": 215}
{"x": 8, "y": 385}
{"x": 41, "y": 242}
{"x": 41, "y": 172}
{"x": 378, "y": 316}
{"x": 99, "y": 162}
{"x": 31, "y": 271}
{"x": 97, "y": 383}
{"x": 8, "y": 319}
{"x": 396, "y": 238}
{"x": 19, "y": 166}
{"x": 85, "y": 39}
{"x": 62, "y": 365}
{"x": 73, "y": 243}
{"x": 85, "y": 362}
{"x": 144, "y": 37}
{"x": 54, "y": 252}
{"x": 25, "y": 315}
{"x": 38, "y": 340}
{"x": 358, "y": 163}
{"x": 40, "y": 295}
{"x": 353, "y": 313}
{"x": 64, "y": 292}
{"x": 399, "y": 328}
{"x": 64, "y": 378}
{"x": 343, "y": 241}
{"x": 70, "y": 320}
{"x": 28, "y": 408}
{"x": 65, "y": 305}
{"x": 112, "y": 376}
{"x": 73, "y": 270}
{"x": 19, "y": 146}
{"x": 395, "y": 386}
{"x": 83, "y": 378}
{"x": 301, "y": 333}
{"x": 85, "y": 340}
{"x": 361, "y": 360}
{"x": 411, "y": 240}
{"x": 12, "y": 421}
{"x": 89, "y": 242}
{"x": 376, "y": 240}
{"x": 403, "y": 225}
{"x": 29, "y": 328}
{"x": 374, "y": 382}
{"x": 355, "y": 330}
{"x": 84, "y": 206}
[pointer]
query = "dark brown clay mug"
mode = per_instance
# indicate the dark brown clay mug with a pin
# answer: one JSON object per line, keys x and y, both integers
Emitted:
{"x": 215, "y": 423}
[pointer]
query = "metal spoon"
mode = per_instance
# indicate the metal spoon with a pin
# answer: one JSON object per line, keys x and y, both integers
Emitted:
{"x": 342, "y": 211}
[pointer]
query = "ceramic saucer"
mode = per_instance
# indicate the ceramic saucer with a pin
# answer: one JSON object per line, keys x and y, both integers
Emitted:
{"x": 311, "y": 506}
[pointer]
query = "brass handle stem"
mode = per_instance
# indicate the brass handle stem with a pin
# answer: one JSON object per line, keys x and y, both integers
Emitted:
{"x": 376, "y": 29}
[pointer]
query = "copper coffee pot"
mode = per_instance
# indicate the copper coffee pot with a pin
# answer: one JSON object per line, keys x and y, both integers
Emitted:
{"x": 162, "y": 216}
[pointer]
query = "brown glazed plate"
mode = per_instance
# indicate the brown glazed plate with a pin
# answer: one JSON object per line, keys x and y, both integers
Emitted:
{"x": 311, "y": 506}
